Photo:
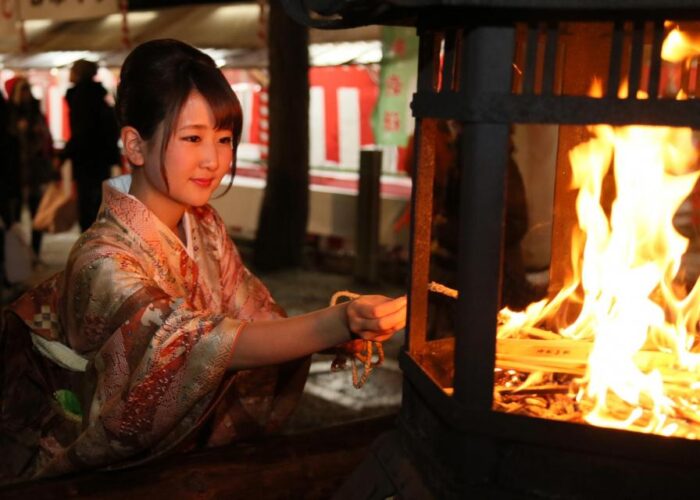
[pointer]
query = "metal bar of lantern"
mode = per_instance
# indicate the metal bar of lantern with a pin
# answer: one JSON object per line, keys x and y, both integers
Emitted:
{"x": 562, "y": 110}
{"x": 657, "y": 41}
{"x": 421, "y": 226}
{"x": 486, "y": 68}
{"x": 550, "y": 58}
{"x": 635, "y": 75}
{"x": 449, "y": 62}
{"x": 530, "y": 69}
{"x": 615, "y": 58}
{"x": 422, "y": 194}
{"x": 428, "y": 61}
{"x": 519, "y": 58}
{"x": 456, "y": 54}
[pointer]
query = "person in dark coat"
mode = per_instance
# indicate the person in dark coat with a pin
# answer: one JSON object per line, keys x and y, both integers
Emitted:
{"x": 4, "y": 188}
{"x": 29, "y": 152}
{"x": 92, "y": 146}
{"x": 10, "y": 189}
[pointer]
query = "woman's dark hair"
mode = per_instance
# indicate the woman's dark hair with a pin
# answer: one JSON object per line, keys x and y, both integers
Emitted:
{"x": 155, "y": 80}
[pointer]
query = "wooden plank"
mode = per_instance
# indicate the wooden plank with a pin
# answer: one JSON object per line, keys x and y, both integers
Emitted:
{"x": 571, "y": 356}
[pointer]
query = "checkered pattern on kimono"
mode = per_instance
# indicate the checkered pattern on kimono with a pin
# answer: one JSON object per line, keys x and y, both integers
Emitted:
{"x": 46, "y": 320}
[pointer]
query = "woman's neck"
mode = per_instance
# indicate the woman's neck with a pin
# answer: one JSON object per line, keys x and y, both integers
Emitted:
{"x": 169, "y": 211}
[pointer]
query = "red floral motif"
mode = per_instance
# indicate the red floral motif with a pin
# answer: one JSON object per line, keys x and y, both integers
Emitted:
{"x": 94, "y": 329}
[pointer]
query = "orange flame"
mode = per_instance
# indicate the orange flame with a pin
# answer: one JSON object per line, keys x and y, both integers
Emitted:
{"x": 680, "y": 46}
{"x": 625, "y": 263}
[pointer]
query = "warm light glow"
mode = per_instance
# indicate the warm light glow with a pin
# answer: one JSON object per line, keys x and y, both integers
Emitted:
{"x": 622, "y": 91}
{"x": 625, "y": 299}
{"x": 679, "y": 46}
{"x": 136, "y": 18}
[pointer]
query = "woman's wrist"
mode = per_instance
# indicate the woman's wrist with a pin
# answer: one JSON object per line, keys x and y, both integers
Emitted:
{"x": 343, "y": 310}
{"x": 352, "y": 335}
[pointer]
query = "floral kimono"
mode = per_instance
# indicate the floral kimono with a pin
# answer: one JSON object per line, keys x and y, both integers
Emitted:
{"x": 124, "y": 355}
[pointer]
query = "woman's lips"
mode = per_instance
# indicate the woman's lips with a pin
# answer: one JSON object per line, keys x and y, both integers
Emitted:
{"x": 203, "y": 182}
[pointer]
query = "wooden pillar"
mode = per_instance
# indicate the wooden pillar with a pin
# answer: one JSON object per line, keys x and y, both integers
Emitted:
{"x": 367, "y": 224}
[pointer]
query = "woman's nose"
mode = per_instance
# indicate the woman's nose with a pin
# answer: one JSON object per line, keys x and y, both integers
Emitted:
{"x": 209, "y": 157}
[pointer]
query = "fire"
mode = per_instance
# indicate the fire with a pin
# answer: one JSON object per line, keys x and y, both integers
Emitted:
{"x": 626, "y": 303}
{"x": 680, "y": 46}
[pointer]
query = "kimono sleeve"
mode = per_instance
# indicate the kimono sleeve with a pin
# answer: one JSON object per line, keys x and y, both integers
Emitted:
{"x": 244, "y": 295}
{"x": 156, "y": 365}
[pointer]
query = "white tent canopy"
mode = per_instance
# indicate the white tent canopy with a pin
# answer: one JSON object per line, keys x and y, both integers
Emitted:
{"x": 232, "y": 28}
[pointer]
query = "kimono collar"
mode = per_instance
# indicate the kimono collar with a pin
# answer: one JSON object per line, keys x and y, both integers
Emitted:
{"x": 134, "y": 214}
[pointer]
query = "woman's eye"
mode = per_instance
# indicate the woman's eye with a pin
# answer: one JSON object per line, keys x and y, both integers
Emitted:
{"x": 226, "y": 140}
{"x": 191, "y": 138}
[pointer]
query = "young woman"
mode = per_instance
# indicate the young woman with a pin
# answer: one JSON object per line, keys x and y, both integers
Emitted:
{"x": 156, "y": 325}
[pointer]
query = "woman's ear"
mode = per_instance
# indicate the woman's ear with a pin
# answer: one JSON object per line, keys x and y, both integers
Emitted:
{"x": 134, "y": 146}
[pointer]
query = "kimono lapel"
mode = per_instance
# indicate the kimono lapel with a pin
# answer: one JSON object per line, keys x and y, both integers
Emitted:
{"x": 175, "y": 271}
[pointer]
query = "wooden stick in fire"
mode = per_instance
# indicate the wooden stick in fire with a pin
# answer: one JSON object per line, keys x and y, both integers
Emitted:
{"x": 436, "y": 287}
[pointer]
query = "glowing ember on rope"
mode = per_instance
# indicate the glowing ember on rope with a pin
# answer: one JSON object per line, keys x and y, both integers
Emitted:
{"x": 625, "y": 298}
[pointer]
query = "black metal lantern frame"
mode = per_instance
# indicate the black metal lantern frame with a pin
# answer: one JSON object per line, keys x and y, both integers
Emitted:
{"x": 456, "y": 442}
{"x": 476, "y": 88}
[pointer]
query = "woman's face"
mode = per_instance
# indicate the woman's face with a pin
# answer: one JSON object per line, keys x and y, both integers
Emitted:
{"x": 196, "y": 159}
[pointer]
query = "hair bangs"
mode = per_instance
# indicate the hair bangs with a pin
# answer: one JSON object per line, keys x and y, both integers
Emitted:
{"x": 181, "y": 89}
{"x": 224, "y": 104}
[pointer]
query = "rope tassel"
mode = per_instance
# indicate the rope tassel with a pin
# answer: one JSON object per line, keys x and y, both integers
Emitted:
{"x": 362, "y": 351}
{"x": 358, "y": 350}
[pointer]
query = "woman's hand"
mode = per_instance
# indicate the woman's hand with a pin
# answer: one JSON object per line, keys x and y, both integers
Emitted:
{"x": 375, "y": 317}
{"x": 268, "y": 342}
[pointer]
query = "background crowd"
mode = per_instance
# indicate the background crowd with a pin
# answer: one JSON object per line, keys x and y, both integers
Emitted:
{"x": 29, "y": 161}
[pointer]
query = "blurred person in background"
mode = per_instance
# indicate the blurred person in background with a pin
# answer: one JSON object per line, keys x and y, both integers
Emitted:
{"x": 92, "y": 146}
{"x": 9, "y": 187}
{"x": 29, "y": 153}
{"x": 4, "y": 185}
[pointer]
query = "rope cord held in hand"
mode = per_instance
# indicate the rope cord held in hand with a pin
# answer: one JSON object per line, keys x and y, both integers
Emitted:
{"x": 359, "y": 350}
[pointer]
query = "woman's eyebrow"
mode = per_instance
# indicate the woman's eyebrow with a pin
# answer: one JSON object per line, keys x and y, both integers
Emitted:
{"x": 194, "y": 125}
{"x": 199, "y": 126}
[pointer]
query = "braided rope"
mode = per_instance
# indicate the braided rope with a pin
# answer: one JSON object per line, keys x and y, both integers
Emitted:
{"x": 364, "y": 355}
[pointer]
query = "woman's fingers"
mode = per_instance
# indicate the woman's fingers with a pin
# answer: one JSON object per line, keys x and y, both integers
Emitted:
{"x": 390, "y": 307}
{"x": 377, "y": 306}
{"x": 377, "y": 318}
{"x": 394, "y": 321}
{"x": 375, "y": 336}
